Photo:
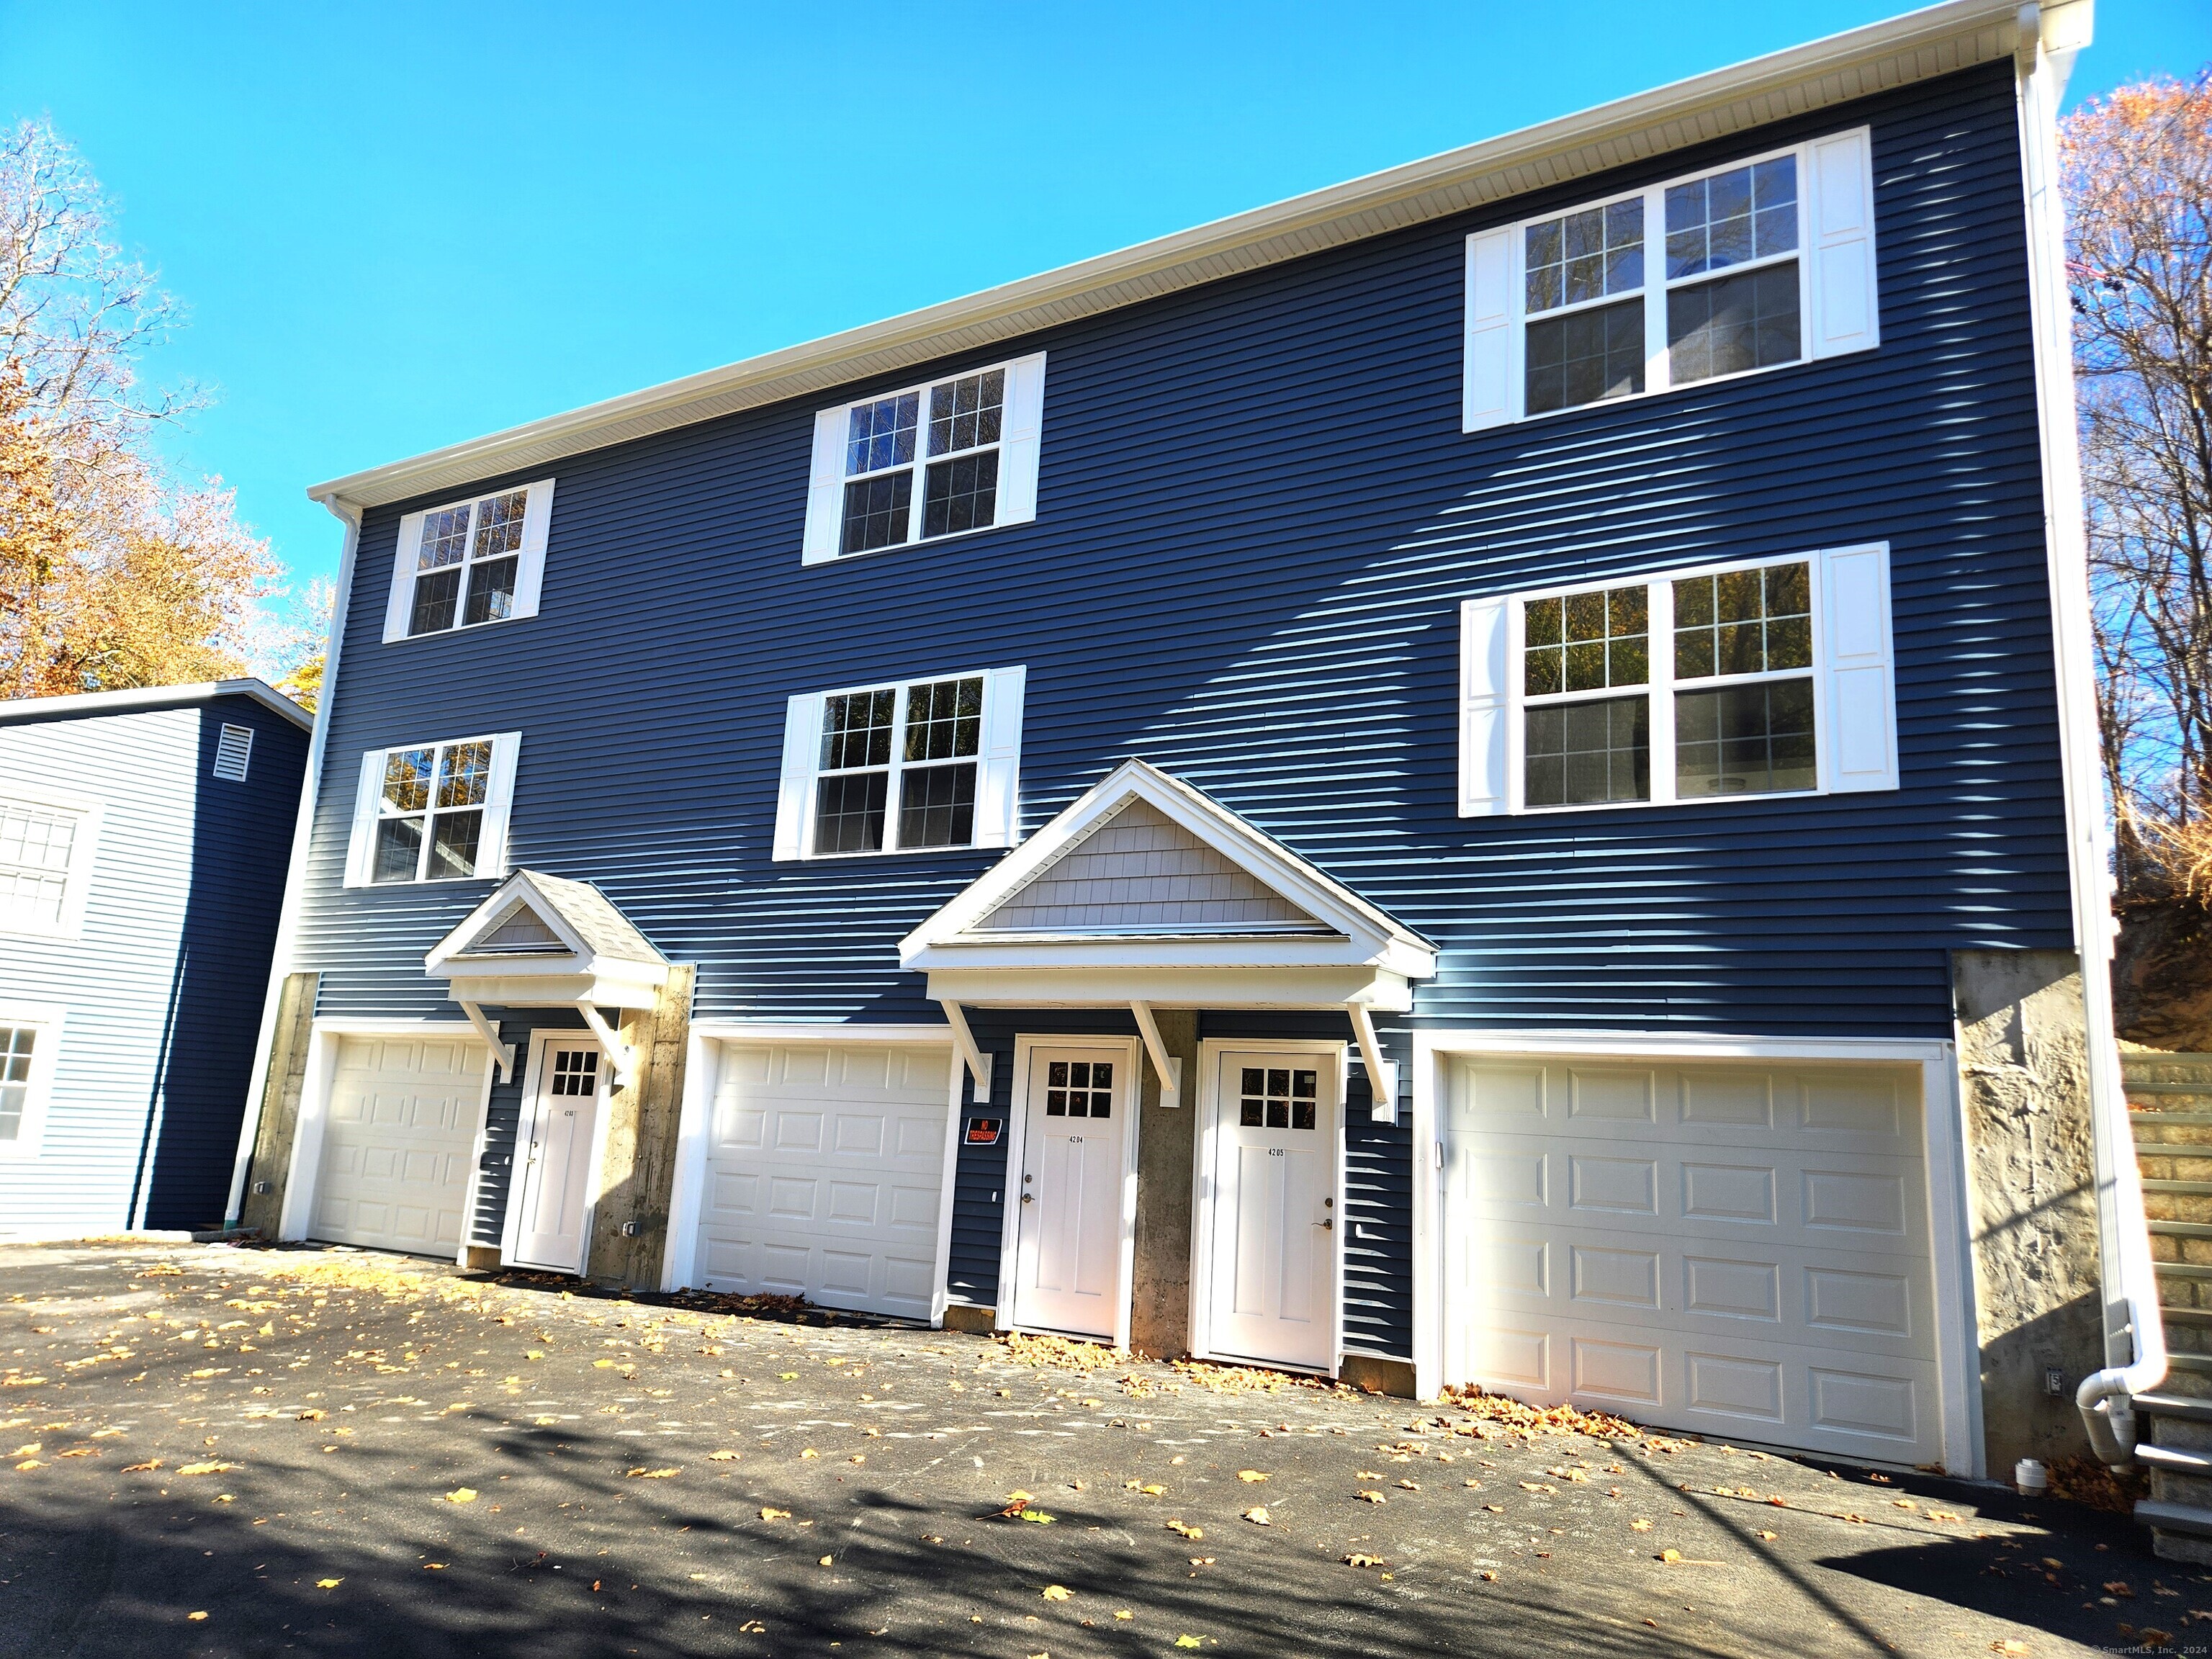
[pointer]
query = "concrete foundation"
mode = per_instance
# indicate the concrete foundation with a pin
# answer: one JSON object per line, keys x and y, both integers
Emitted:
{"x": 2031, "y": 1178}
{"x": 637, "y": 1175}
{"x": 281, "y": 1089}
{"x": 1167, "y": 1143}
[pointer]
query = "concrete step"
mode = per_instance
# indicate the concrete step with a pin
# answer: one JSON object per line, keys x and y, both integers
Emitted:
{"x": 2188, "y": 1407}
{"x": 2174, "y": 1517}
{"x": 2175, "y": 1460}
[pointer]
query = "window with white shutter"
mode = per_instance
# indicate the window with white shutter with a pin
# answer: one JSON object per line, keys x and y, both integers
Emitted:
{"x": 911, "y": 766}
{"x": 433, "y": 811}
{"x": 927, "y": 462}
{"x": 469, "y": 563}
{"x": 1763, "y": 263}
{"x": 1773, "y": 678}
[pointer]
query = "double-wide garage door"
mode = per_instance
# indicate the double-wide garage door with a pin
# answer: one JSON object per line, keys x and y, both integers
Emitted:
{"x": 394, "y": 1172}
{"x": 1741, "y": 1250}
{"x": 825, "y": 1173}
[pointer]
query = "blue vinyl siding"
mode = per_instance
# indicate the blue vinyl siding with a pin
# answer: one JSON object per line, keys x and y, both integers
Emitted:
{"x": 1257, "y": 518}
{"x": 162, "y": 992}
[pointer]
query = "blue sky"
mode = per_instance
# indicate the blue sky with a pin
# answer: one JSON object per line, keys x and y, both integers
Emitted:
{"x": 399, "y": 227}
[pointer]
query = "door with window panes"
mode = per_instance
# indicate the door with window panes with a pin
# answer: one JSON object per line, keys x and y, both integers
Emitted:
{"x": 1273, "y": 1221}
{"x": 898, "y": 768}
{"x": 1678, "y": 690}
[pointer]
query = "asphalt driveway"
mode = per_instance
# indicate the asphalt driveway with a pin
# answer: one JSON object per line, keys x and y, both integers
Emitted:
{"x": 237, "y": 1451}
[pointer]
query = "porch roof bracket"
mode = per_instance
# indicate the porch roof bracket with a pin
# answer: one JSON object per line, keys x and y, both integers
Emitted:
{"x": 620, "y": 1055}
{"x": 1381, "y": 1074}
{"x": 1166, "y": 1066}
{"x": 978, "y": 1063}
{"x": 503, "y": 1053}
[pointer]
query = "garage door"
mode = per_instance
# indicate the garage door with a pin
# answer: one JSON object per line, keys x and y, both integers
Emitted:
{"x": 1740, "y": 1251}
{"x": 824, "y": 1175}
{"x": 397, "y": 1143}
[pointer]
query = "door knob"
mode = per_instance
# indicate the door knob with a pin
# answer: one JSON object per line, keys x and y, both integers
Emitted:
{"x": 1325, "y": 1226}
{"x": 1028, "y": 1198}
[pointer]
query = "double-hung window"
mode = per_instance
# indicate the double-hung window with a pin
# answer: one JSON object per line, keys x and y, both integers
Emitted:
{"x": 433, "y": 811}
{"x": 926, "y": 461}
{"x": 46, "y": 844}
{"x": 1765, "y": 262}
{"x": 1766, "y": 678}
{"x": 911, "y": 766}
{"x": 30, "y": 1042}
{"x": 470, "y": 563}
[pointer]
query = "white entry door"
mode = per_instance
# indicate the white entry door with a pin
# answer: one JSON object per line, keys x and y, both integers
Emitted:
{"x": 1273, "y": 1220}
{"x": 394, "y": 1170}
{"x": 553, "y": 1159}
{"x": 1741, "y": 1249}
{"x": 825, "y": 1173}
{"x": 1071, "y": 1187}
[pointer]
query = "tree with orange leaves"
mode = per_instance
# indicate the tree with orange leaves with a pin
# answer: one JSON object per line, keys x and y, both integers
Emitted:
{"x": 112, "y": 574}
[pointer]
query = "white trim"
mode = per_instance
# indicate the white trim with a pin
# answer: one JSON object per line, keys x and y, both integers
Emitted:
{"x": 49, "y": 1021}
{"x": 89, "y": 703}
{"x": 1365, "y": 935}
{"x": 702, "y": 1081}
{"x": 533, "y": 1080}
{"x": 1942, "y": 1119}
{"x": 997, "y": 760}
{"x": 1382, "y": 1074}
{"x": 1017, "y": 1133}
{"x": 288, "y": 916}
{"x": 1868, "y": 703}
{"x": 956, "y": 1117}
{"x": 1937, "y": 40}
{"x": 492, "y": 835}
{"x": 84, "y": 851}
{"x": 1488, "y": 330}
{"x": 1203, "y": 1186}
{"x": 1167, "y": 1068}
{"x": 529, "y": 561}
{"x": 1020, "y": 428}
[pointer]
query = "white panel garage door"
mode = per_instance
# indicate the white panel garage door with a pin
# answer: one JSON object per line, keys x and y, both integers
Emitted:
{"x": 1738, "y": 1250}
{"x": 824, "y": 1175}
{"x": 397, "y": 1143}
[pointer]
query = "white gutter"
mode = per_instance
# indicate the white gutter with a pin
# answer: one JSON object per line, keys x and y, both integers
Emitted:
{"x": 297, "y": 873}
{"x": 2135, "y": 1333}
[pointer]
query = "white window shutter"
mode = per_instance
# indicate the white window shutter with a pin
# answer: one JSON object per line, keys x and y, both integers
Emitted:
{"x": 1021, "y": 441}
{"x": 825, "y": 486}
{"x": 1845, "y": 308}
{"x": 1861, "y": 751}
{"x": 530, "y": 566}
{"x": 1484, "y": 708}
{"x": 401, "y": 602}
{"x": 802, "y": 747}
{"x": 999, "y": 778}
{"x": 360, "y": 844}
{"x": 1489, "y": 317}
{"x": 499, "y": 803}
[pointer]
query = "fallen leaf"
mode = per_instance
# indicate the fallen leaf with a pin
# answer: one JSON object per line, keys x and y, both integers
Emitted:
{"x": 722, "y": 1457}
{"x": 195, "y": 1616}
{"x": 782, "y": 1376}
{"x": 810, "y": 1452}
{"x": 1257, "y": 1515}
{"x": 1356, "y": 1559}
{"x": 1189, "y": 1642}
{"x": 1371, "y": 1497}
{"x": 652, "y": 1475}
{"x": 1186, "y": 1531}
{"x": 1138, "y": 1486}
{"x": 1250, "y": 1474}
{"x": 1639, "y": 1526}
{"x": 775, "y": 1515}
{"x": 1125, "y": 1613}
{"x": 1488, "y": 1577}
{"x": 206, "y": 1468}
{"x": 1056, "y": 1592}
{"x": 1770, "y": 1536}
{"x": 328, "y": 1583}
{"x": 150, "y": 1463}
{"x": 1410, "y": 1486}
{"x": 462, "y": 1495}
{"x": 824, "y": 1561}
{"x": 2008, "y": 1647}
{"x": 1670, "y": 1556}
{"x": 29, "y": 1464}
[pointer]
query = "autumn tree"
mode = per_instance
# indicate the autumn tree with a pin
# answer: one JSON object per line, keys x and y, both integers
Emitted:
{"x": 2139, "y": 180}
{"x": 113, "y": 572}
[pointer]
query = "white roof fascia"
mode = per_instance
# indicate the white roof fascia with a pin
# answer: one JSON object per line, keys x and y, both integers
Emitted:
{"x": 1367, "y": 933}
{"x": 480, "y": 920}
{"x": 149, "y": 697}
{"x": 1935, "y": 41}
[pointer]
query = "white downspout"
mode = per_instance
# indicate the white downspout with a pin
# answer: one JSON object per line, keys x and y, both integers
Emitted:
{"x": 2135, "y": 1333}
{"x": 295, "y": 872}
